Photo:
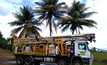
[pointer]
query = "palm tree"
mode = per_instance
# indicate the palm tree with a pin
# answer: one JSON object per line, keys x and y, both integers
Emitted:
{"x": 49, "y": 10}
{"x": 77, "y": 18}
{"x": 26, "y": 22}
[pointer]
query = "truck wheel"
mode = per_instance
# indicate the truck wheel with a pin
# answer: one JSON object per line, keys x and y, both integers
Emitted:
{"x": 28, "y": 61}
{"x": 77, "y": 62}
{"x": 19, "y": 60}
{"x": 62, "y": 62}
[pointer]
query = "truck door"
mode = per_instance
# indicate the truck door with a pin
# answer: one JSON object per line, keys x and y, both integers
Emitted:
{"x": 82, "y": 50}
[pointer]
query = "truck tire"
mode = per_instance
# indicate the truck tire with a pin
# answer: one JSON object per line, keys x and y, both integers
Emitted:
{"x": 77, "y": 62}
{"x": 19, "y": 61}
{"x": 28, "y": 61}
{"x": 62, "y": 62}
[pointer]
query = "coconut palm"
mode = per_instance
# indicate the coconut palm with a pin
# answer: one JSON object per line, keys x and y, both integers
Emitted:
{"x": 77, "y": 18}
{"x": 49, "y": 10}
{"x": 26, "y": 22}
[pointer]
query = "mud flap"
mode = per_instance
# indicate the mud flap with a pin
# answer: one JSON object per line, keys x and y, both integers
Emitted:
{"x": 91, "y": 60}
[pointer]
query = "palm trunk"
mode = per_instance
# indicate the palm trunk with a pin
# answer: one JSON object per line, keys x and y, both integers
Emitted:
{"x": 72, "y": 32}
{"x": 79, "y": 30}
{"x": 50, "y": 26}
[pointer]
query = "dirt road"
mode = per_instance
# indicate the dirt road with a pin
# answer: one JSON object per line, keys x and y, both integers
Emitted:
{"x": 5, "y": 56}
{"x": 6, "y": 59}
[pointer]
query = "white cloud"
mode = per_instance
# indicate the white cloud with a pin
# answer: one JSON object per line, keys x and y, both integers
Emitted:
{"x": 6, "y": 30}
{"x": 101, "y": 32}
{"x": 6, "y": 17}
{"x": 14, "y": 1}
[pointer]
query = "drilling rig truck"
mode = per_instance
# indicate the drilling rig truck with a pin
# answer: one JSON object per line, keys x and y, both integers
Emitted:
{"x": 63, "y": 50}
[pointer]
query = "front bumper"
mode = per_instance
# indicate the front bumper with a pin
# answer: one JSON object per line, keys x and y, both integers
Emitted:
{"x": 88, "y": 60}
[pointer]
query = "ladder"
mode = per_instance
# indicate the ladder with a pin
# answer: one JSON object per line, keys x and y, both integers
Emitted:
{"x": 62, "y": 49}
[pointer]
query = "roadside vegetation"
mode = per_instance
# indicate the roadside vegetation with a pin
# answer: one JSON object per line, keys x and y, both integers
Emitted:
{"x": 3, "y": 43}
{"x": 100, "y": 58}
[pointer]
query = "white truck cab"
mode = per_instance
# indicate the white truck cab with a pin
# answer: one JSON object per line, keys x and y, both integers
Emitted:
{"x": 82, "y": 49}
{"x": 79, "y": 52}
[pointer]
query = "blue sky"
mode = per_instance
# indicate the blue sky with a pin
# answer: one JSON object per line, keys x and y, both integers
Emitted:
{"x": 99, "y": 6}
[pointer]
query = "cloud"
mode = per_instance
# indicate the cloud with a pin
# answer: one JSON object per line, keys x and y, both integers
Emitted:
{"x": 4, "y": 11}
{"x": 7, "y": 19}
{"x": 6, "y": 8}
{"x": 6, "y": 30}
{"x": 14, "y": 1}
{"x": 101, "y": 32}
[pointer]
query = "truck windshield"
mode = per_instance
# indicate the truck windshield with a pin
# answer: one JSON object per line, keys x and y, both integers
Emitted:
{"x": 87, "y": 46}
{"x": 82, "y": 46}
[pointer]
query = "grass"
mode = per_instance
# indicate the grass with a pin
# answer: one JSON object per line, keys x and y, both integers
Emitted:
{"x": 100, "y": 58}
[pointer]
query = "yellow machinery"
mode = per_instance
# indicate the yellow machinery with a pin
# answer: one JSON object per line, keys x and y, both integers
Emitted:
{"x": 43, "y": 47}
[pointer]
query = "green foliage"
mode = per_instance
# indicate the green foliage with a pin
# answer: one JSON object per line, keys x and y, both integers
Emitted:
{"x": 26, "y": 22}
{"x": 99, "y": 57}
{"x": 1, "y": 35}
{"x": 3, "y": 41}
{"x": 77, "y": 18}
{"x": 9, "y": 47}
{"x": 49, "y": 10}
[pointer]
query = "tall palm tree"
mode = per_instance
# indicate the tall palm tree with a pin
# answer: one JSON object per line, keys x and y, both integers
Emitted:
{"x": 77, "y": 18}
{"x": 26, "y": 22}
{"x": 49, "y": 10}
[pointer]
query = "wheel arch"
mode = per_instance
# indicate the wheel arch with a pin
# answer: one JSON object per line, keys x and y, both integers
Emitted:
{"x": 64, "y": 58}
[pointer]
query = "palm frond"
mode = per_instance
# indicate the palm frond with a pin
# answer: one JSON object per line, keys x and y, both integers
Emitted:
{"x": 65, "y": 28}
{"x": 85, "y": 15}
{"x": 34, "y": 27}
{"x": 16, "y": 30}
{"x": 91, "y": 21}
{"x": 35, "y": 32}
{"x": 39, "y": 3}
{"x": 22, "y": 33}
{"x": 16, "y": 23}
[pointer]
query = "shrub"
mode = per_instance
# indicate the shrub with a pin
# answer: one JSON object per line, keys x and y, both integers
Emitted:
{"x": 9, "y": 47}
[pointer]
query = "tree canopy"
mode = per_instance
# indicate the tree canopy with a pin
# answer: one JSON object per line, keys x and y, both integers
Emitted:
{"x": 26, "y": 22}
{"x": 49, "y": 10}
{"x": 77, "y": 18}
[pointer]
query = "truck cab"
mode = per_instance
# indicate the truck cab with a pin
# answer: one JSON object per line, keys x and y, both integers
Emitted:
{"x": 81, "y": 51}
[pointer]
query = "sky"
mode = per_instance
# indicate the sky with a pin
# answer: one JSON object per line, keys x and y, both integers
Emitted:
{"x": 99, "y": 6}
